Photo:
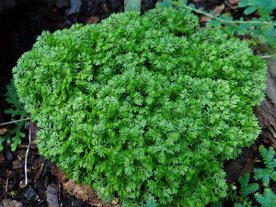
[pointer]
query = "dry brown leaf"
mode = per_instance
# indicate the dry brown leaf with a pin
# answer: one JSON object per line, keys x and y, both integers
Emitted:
{"x": 233, "y": 1}
{"x": 218, "y": 9}
{"x": 92, "y": 20}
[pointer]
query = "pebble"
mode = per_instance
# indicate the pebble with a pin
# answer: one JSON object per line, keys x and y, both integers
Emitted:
{"x": 77, "y": 203}
{"x": 30, "y": 194}
{"x": 52, "y": 195}
{"x": 8, "y": 155}
{"x": 16, "y": 164}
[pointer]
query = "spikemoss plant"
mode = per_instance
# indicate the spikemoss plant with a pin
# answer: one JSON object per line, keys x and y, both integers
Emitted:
{"x": 143, "y": 107}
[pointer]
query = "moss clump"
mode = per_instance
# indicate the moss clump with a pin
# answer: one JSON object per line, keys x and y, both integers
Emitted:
{"x": 143, "y": 106}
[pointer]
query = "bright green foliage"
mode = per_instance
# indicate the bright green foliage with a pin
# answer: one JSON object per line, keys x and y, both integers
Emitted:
{"x": 268, "y": 199}
{"x": 143, "y": 106}
{"x": 15, "y": 134}
{"x": 269, "y": 172}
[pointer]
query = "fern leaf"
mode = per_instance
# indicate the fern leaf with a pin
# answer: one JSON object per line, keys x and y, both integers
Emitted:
{"x": 268, "y": 157}
{"x": 264, "y": 175}
{"x": 270, "y": 163}
{"x": 151, "y": 203}
{"x": 14, "y": 135}
{"x": 247, "y": 188}
{"x": 132, "y": 5}
{"x": 268, "y": 199}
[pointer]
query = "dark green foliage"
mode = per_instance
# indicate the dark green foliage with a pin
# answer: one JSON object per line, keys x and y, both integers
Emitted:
{"x": 247, "y": 188}
{"x": 269, "y": 172}
{"x": 261, "y": 28}
{"x": 14, "y": 135}
{"x": 143, "y": 106}
{"x": 151, "y": 203}
{"x": 264, "y": 8}
{"x": 268, "y": 199}
{"x": 263, "y": 32}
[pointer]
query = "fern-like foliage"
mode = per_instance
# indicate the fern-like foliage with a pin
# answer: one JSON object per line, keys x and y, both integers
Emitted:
{"x": 246, "y": 187}
{"x": 14, "y": 135}
{"x": 269, "y": 172}
{"x": 261, "y": 28}
{"x": 132, "y": 5}
{"x": 267, "y": 199}
{"x": 143, "y": 105}
{"x": 151, "y": 203}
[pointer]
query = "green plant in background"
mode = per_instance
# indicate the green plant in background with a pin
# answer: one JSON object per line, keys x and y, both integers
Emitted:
{"x": 132, "y": 5}
{"x": 143, "y": 105}
{"x": 14, "y": 135}
{"x": 269, "y": 172}
{"x": 261, "y": 28}
{"x": 259, "y": 25}
{"x": 151, "y": 203}
{"x": 267, "y": 198}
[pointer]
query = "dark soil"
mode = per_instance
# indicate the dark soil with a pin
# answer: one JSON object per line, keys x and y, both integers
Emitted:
{"x": 20, "y": 25}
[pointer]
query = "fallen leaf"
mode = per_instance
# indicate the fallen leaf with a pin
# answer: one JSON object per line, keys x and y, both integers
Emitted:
{"x": 92, "y": 20}
{"x": 218, "y": 9}
{"x": 233, "y": 1}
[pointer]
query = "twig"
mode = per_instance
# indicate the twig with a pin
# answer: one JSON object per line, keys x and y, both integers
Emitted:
{"x": 267, "y": 56}
{"x": 226, "y": 21}
{"x": 7, "y": 184}
{"x": 14, "y": 121}
{"x": 26, "y": 156}
{"x": 23, "y": 185}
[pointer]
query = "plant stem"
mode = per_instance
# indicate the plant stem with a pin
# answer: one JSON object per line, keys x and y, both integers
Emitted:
{"x": 226, "y": 21}
{"x": 14, "y": 121}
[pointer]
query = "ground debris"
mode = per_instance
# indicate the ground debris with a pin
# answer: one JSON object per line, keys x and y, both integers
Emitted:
{"x": 17, "y": 164}
{"x": 52, "y": 195}
{"x": 266, "y": 114}
{"x": 83, "y": 192}
{"x": 11, "y": 203}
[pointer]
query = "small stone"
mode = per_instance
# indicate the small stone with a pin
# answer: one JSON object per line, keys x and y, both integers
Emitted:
{"x": 52, "y": 195}
{"x": 17, "y": 165}
{"x": 30, "y": 194}
{"x": 11, "y": 203}
{"x": 77, "y": 203}
{"x": 8, "y": 155}
{"x": 75, "y": 7}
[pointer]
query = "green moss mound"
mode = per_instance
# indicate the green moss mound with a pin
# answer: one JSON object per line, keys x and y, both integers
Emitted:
{"x": 143, "y": 106}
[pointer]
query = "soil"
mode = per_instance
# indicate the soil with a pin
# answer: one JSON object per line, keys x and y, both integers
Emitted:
{"x": 21, "y": 23}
